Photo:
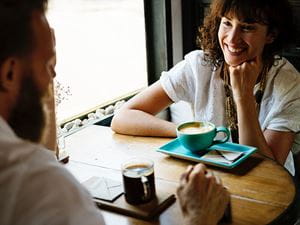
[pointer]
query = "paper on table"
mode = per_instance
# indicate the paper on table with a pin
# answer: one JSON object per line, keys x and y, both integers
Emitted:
{"x": 104, "y": 188}
{"x": 231, "y": 156}
{"x": 222, "y": 156}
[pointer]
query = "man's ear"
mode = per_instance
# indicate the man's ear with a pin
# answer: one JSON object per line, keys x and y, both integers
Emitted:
{"x": 9, "y": 74}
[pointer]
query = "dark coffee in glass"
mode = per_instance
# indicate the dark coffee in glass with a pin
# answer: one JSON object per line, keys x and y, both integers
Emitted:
{"x": 138, "y": 181}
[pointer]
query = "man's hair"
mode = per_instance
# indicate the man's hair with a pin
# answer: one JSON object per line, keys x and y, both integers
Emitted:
{"x": 16, "y": 34}
{"x": 276, "y": 14}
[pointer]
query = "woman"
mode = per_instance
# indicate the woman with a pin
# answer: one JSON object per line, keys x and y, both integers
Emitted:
{"x": 237, "y": 80}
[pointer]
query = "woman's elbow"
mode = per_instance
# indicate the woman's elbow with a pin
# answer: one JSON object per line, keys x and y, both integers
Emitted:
{"x": 116, "y": 123}
{"x": 119, "y": 123}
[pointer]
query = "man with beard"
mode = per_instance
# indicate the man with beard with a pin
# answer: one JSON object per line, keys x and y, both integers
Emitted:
{"x": 35, "y": 188}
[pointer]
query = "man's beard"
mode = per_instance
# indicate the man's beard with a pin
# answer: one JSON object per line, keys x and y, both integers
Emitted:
{"x": 28, "y": 118}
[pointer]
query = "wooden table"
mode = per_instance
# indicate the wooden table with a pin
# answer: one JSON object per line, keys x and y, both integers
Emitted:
{"x": 261, "y": 190}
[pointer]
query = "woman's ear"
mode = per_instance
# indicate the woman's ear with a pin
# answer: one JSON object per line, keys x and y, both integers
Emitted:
{"x": 272, "y": 35}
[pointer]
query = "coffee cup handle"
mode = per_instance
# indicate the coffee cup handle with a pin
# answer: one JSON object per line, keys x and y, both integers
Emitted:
{"x": 223, "y": 130}
{"x": 146, "y": 186}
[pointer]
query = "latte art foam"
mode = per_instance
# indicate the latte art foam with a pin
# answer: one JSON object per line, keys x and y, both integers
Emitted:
{"x": 196, "y": 129}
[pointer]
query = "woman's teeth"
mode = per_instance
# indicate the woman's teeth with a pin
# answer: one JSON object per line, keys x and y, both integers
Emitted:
{"x": 234, "y": 50}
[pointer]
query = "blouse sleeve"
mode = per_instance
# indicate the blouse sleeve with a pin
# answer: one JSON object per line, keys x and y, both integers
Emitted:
{"x": 178, "y": 82}
{"x": 285, "y": 112}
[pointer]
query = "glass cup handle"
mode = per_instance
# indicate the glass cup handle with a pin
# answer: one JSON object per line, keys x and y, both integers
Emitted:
{"x": 146, "y": 187}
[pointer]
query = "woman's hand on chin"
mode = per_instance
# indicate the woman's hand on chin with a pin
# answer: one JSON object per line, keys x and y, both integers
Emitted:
{"x": 243, "y": 78}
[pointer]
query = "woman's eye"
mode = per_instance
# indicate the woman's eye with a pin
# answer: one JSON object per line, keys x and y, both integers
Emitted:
{"x": 226, "y": 23}
{"x": 247, "y": 28}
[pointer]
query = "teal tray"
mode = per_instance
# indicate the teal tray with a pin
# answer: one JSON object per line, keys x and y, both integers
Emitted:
{"x": 175, "y": 149}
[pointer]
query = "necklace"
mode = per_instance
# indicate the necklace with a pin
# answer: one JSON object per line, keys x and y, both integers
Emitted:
{"x": 230, "y": 107}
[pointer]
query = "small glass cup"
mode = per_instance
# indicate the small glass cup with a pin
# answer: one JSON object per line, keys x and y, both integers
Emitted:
{"x": 138, "y": 180}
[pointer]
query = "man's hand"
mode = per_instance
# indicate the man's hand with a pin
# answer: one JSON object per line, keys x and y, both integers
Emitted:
{"x": 202, "y": 197}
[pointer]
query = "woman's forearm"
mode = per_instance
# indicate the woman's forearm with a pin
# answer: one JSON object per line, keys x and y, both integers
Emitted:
{"x": 137, "y": 122}
{"x": 250, "y": 132}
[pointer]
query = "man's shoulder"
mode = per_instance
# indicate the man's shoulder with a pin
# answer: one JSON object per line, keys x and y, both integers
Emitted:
{"x": 31, "y": 161}
{"x": 47, "y": 189}
{"x": 43, "y": 168}
{"x": 33, "y": 168}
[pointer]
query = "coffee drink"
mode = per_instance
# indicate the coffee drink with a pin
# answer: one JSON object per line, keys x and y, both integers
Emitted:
{"x": 196, "y": 129}
{"x": 139, "y": 184}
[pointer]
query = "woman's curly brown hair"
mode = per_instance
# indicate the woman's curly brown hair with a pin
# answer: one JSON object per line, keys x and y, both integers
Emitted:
{"x": 276, "y": 14}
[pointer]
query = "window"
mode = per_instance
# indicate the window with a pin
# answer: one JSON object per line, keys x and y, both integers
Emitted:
{"x": 101, "y": 51}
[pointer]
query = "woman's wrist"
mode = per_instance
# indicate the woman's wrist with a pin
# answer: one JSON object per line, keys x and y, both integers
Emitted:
{"x": 243, "y": 101}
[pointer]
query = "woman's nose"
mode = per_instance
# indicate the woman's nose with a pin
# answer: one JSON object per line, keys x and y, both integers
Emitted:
{"x": 234, "y": 36}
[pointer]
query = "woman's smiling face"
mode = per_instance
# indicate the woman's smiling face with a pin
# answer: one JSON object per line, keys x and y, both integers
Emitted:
{"x": 242, "y": 41}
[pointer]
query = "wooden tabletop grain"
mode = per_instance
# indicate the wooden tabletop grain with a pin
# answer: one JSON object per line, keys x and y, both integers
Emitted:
{"x": 261, "y": 190}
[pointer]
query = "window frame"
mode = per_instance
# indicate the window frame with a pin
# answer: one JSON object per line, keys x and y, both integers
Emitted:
{"x": 158, "y": 25}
